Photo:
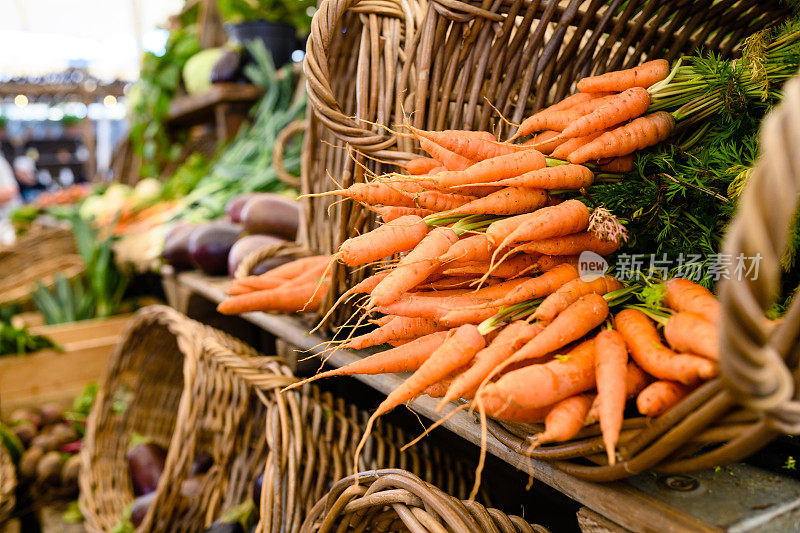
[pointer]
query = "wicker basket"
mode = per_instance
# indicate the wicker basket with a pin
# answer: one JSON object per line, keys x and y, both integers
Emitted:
{"x": 397, "y": 500}
{"x": 227, "y": 422}
{"x": 147, "y": 391}
{"x": 448, "y": 63}
{"x": 8, "y": 484}
{"x": 37, "y": 255}
{"x": 453, "y": 59}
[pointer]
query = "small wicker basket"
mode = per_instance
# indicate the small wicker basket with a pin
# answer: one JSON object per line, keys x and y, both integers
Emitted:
{"x": 8, "y": 485}
{"x": 450, "y": 63}
{"x": 147, "y": 390}
{"x": 397, "y": 500}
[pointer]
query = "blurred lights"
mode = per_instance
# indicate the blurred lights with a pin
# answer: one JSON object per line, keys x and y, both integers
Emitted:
{"x": 21, "y": 100}
{"x": 109, "y": 100}
{"x": 55, "y": 114}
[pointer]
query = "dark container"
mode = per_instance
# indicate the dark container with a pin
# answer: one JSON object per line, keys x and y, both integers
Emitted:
{"x": 280, "y": 39}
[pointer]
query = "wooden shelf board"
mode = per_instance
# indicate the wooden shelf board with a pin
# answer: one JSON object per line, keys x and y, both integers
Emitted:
{"x": 725, "y": 499}
{"x": 187, "y": 109}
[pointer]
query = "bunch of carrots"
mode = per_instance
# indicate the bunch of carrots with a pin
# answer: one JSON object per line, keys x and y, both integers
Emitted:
{"x": 485, "y": 302}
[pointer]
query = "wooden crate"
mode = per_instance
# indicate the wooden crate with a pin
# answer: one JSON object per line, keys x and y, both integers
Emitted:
{"x": 52, "y": 376}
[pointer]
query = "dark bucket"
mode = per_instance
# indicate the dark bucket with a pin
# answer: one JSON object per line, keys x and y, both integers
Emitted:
{"x": 279, "y": 39}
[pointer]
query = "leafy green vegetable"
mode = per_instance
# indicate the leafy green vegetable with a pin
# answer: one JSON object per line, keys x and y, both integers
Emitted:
{"x": 96, "y": 293}
{"x": 246, "y": 164}
{"x": 17, "y": 339}
{"x": 295, "y": 12}
{"x": 72, "y": 515}
{"x": 81, "y": 407}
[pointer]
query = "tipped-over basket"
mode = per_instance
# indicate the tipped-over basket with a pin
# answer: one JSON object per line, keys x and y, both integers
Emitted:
{"x": 147, "y": 391}
{"x": 8, "y": 484}
{"x": 448, "y": 64}
{"x": 397, "y": 500}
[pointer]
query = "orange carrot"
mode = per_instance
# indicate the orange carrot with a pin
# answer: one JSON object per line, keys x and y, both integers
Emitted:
{"x": 285, "y": 298}
{"x": 657, "y": 398}
{"x": 405, "y": 359}
{"x": 284, "y": 272}
{"x": 557, "y": 116}
{"x": 469, "y": 315}
{"x": 559, "y": 220}
{"x": 376, "y": 193}
{"x": 645, "y": 347}
{"x": 473, "y": 248}
{"x": 506, "y": 411}
{"x": 468, "y": 146}
{"x": 571, "y": 144}
{"x": 450, "y": 160}
{"x": 690, "y": 332}
{"x": 640, "y": 133}
{"x": 399, "y": 235}
{"x": 537, "y": 287}
{"x": 509, "y": 340}
{"x": 610, "y": 367}
{"x": 546, "y": 141}
{"x": 478, "y": 191}
{"x": 571, "y": 291}
{"x": 389, "y": 213}
{"x": 635, "y": 382}
{"x": 366, "y": 285}
{"x": 644, "y": 75}
{"x": 685, "y": 295}
{"x": 456, "y": 351}
{"x": 508, "y": 201}
{"x": 572, "y": 244}
{"x": 500, "y": 229}
{"x": 619, "y": 164}
{"x": 436, "y": 170}
{"x": 559, "y": 177}
{"x": 544, "y": 384}
{"x": 421, "y": 165}
{"x": 619, "y": 108}
{"x": 511, "y": 268}
{"x": 549, "y": 262}
{"x": 565, "y": 419}
{"x": 488, "y": 170}
{"x": 438, "y": 200}
{"x": 452, "y": 282}
{"x": 399, "y": 327}
{"x": 414, "y": 267}
{"x": 573, "y": 323}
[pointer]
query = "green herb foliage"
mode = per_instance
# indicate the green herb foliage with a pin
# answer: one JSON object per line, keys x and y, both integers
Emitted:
{"x": 246, "y": 164}
{"x": 17, "y": 340}
{"x": 159, "y": 80}
{"x": 96, "y": 293}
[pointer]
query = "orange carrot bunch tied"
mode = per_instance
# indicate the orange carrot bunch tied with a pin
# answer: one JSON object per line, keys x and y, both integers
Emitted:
{"x": 606, "y": 121}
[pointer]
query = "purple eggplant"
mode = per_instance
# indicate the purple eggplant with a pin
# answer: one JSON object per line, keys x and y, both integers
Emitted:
{"x": 145, "y": 463}
{"x": 234, "y": 206}
{"x": 140, "y": 507}
{"x": 176, "y": 246}
{"x": 210, "y": 244}
{"x": 271, "y": 214}
{"x": 258, "y": 485}
{"x": 246, "y": 245}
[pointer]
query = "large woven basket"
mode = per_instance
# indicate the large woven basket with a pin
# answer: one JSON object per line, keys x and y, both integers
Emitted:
{"x": 8, "y": 484}
{"x": 449, "y": 63}
{"x": 397, "y": 500}
{"x": 147, "y": 391}
{"x": 37, "y": 256}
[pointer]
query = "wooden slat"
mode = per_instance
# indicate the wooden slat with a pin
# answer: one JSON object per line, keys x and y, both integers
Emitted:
{"x": 186, "y": 109}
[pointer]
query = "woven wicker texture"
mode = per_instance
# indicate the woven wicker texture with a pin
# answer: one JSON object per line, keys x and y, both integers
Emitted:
{"x": 227, "y": 423}
{"x": 8, "y": 484}
{"x": 447, "y": 63}
{"x": 147, "y": 391}
{"x": 397, "y": 500}
{"x": 37, "y": 255}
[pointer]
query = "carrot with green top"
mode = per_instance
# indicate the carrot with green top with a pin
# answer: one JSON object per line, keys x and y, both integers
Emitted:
{"x": 646, "y": 348}
{"x": 399, "y": 235}
{"x": 566, "y": 218}
{"x": 539, "y": 385}
{"x": 421, "y": 165}
{"x": 690, "y": 332}
{"x": 559, "y": 177}
{"x": 685, "y": 295}
{"x": 617, "y": 109}
{"x": 510, "y": 339}
{"x": 537, "y": 287}
{"x": 414, "y": 267}
{"x": 568, "y": 293}
{"x": 626, "y": 139}
{"x": 507, "y": 201}
{"x": 400, "y": 327}
{"x": 473, "y": 248}
{"x": 489, "y": 170}
{"x": 572, "y": 244}
{"x": 644, "y": 75}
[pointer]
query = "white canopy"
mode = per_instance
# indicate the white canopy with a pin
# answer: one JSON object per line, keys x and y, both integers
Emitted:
{"x": 107, "y": 36}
